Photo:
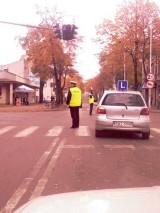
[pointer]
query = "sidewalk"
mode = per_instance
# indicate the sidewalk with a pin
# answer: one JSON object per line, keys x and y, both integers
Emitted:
{"x": 154, "y": 109}
{"x": 29, "y": 108}
{"x": 42, "y": 108}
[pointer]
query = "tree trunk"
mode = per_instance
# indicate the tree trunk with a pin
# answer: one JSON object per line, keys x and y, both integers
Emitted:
{"x": 42, "y": 82}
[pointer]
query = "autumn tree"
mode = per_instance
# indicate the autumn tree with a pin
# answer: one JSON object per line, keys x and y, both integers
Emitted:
{"x": 49, "y": 56}
{"x": 129, "y": 34}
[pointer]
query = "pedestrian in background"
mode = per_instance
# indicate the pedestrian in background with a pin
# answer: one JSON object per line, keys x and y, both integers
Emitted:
{"x": 74, "y": 101}
{"x": 91, "y": 103}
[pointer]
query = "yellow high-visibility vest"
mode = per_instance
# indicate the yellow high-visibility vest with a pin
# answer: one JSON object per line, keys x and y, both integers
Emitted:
{"x": 91, "y": 100}
{"x": 76, "y": 97}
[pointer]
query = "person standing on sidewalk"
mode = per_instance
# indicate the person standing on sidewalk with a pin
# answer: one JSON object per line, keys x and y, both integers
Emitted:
{"x": 91, "y": 102}
{"x": 74, "y": 101}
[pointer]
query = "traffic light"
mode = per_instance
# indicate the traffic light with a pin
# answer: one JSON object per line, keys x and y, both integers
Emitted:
{"x": 57, "y": 31}
{"x": 69, "y": 32}
{"x": 74, "y": 33}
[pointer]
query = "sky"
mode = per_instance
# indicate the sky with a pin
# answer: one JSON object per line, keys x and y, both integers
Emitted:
{"x": 85, "y": 14}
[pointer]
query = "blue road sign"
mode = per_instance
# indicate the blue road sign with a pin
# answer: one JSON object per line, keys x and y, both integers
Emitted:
{"x": 122, "y": 85}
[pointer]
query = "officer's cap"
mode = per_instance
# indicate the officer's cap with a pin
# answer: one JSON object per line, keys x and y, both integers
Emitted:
{"x": 73, "y": 82}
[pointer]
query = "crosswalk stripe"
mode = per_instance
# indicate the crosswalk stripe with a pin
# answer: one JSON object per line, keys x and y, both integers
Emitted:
{"x": 82, "y": 131}
{"x": 6, "y": 129}
{"x": 156, "y": 130}
{"x": 55, "y": 131}
{"x": 26, "y": 132}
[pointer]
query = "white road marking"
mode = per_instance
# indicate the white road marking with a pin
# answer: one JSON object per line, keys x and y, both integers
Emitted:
{"x": 43, "y": 181}
{"x": 6, "y": 129}
{"x": 151, "y": 148}
{"x": 26, "y": 132}
{"x": 55, "y": 131}
{"x": 11, "y": 204}
{"x": 156, "y": 130}
{"x": 82, "y": 131}
{"x": 79, "y": 146}
{"x": 119, "y": 146}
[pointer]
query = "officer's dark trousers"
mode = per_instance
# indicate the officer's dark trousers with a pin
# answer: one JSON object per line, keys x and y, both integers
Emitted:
{"x": 75, "y": 116}
{"x": 91, "y": 109}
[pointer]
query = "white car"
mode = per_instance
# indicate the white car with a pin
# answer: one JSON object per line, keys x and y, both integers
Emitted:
{"x": 128, "y": 200}
{"x": 122, "y": 111}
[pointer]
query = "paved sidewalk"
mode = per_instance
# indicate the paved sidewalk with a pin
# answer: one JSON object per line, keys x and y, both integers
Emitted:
{"x": 30, "y": 108}
{"x": 154, "y": 109}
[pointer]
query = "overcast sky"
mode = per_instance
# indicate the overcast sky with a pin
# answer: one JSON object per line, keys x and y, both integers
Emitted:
{"x": 84, "y": 13}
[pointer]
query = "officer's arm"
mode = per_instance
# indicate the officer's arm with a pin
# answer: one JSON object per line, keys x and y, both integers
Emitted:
{"x": 68, "y": 97}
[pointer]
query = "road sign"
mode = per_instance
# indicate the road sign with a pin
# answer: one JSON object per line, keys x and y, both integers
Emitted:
{"x": 122, "y": 85}
{"x": 150, "y": 77}
{"x": 150, "y": 84}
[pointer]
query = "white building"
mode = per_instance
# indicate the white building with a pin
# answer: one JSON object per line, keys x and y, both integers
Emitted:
{"x": 14, "y": 75}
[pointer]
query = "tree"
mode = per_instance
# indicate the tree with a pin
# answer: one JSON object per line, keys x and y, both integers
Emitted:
{"x": 49, "y": 56}
{"x": 129, "y": 34}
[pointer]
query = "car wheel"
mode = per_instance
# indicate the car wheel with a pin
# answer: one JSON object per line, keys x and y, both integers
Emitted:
{"x": 98, "y": 133}
{"x": 145, "y": 135}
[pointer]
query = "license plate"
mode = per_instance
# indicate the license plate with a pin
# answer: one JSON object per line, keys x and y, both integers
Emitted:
{"x": 122, "y": 124}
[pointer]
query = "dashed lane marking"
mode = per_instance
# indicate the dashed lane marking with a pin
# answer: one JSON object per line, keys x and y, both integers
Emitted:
{"x": 120, "y": 147}
{"x": 79, "y": 146}
{"x": 12, "y": 203}
{"x": 43, "y": 181}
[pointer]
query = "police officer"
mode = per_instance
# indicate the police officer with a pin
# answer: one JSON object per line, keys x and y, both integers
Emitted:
{"x": 91, "y": 102}
{"x": 74, "y": 101}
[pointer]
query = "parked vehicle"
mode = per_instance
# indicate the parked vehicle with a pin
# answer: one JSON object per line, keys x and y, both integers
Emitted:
{"x": 122, "y": 111}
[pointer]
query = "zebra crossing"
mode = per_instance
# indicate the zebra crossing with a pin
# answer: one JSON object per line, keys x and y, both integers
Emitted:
{"x": 54, "y": 131}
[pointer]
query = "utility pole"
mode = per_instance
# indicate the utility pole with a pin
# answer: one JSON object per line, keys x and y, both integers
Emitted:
{"x": 150, "y": 65}
{"x": 124, "y": 71}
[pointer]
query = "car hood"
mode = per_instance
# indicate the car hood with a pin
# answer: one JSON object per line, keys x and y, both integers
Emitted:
{"x": 102, "y": 201}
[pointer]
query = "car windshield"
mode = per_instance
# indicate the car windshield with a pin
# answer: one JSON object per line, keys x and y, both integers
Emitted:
{"x": 123, "y": 99}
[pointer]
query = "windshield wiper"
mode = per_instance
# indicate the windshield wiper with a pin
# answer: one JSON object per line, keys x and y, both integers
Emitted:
{"x": 120, "y": 104}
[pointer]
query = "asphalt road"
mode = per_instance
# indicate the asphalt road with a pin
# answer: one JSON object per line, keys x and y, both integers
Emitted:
{"x": 40, "y": 155}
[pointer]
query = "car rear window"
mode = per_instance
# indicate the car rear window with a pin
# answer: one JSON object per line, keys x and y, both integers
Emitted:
{"x": 127, "y": 99}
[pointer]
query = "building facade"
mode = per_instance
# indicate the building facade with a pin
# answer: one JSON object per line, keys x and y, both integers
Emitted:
{"x": 14, "y": 75}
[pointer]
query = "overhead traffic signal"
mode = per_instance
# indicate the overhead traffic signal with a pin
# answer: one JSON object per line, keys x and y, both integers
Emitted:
{"x": 74, "y": 33}
{"x": 69, "y": 32}
{"x": 66, "y": 32}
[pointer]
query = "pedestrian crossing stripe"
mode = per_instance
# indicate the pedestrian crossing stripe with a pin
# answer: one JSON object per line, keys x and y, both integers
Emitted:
{"x": 26, "y": 132}
{"x": 6, "y": 129}
{"x": 156, "y": 130}
{"x": 55, "y": 131}
{"x": 82, "y": 131}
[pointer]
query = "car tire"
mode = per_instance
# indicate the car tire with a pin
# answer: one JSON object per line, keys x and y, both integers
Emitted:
{"x": 98, "y": 133}
{"x": 145, "y": 135}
